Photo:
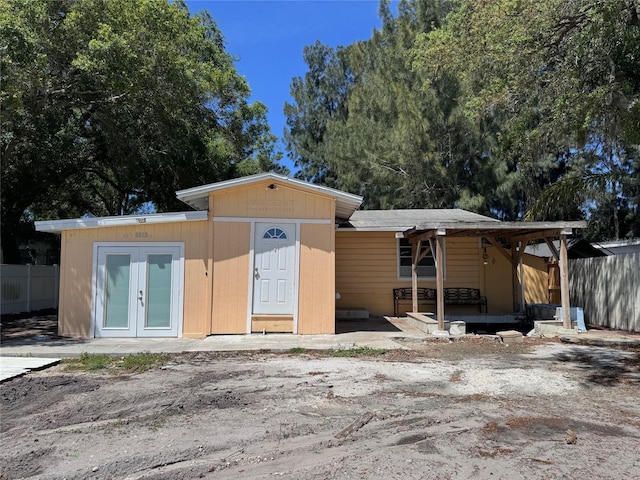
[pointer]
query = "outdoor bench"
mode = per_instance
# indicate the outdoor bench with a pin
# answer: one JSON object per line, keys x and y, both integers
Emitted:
{"x": 452, "y": 296}
{"x": 404, "y": 295}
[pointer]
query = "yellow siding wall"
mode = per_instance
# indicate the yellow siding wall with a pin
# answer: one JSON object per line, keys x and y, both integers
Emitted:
{"x": 536, "y": 279}
{"x": 366, "y": 270}
{"x": 230, "y": 277}
{"x": 316, "y": 311}
{"x": 258, "y": 201}
{"x": 498, "y": 282}
{"x": 76, "y": 272}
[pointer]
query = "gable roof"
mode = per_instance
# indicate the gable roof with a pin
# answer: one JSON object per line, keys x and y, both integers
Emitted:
{"x": 198, "y": 197}
{"x": 401, "y": 220}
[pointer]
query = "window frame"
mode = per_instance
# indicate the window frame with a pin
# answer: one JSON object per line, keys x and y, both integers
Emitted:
{"x": 431, "y": 256}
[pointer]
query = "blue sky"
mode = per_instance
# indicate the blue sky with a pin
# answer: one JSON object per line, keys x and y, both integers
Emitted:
{"x": 267, "y": 37}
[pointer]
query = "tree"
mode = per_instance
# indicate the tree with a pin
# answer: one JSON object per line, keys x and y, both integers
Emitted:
{"x": 561, "y": 81}
{"x": 362, "y": 120}
{"x": 320, "y": 97}
{"x": 110, "y": 104}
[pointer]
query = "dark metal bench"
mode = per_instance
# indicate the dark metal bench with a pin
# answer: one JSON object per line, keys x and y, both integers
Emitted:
{"x": 404, "y": 295}
{"x": 452, "y": 296}
{"x": 465, "y": 296}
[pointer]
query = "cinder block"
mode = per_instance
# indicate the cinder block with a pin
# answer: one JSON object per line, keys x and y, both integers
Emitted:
{"x": 511, "y": 336}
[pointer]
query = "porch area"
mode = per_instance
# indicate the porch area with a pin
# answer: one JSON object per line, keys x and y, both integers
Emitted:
{"x": 510, "y": 240}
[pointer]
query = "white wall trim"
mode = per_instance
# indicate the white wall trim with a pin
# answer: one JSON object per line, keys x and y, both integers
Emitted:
{"x": 272, "y": 220}
{"x": 94, "y": 277}
{"x": 96, "y": 222}
{"x": 372, "y": 229}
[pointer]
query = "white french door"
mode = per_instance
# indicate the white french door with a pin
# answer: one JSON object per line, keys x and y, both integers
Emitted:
{"x": 138, "y": 290}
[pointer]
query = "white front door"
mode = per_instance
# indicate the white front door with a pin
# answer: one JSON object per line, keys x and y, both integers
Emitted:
{"x": 138, "y": 291}
{"x": 274, "y": 269}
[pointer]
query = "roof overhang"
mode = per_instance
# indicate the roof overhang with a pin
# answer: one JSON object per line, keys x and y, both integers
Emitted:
{"x": 198, "y": 197}
{"x": 57, "y": 226}
{"x": 512, "y": 231}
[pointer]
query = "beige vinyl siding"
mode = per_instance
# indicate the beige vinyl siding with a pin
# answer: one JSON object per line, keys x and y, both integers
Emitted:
{"x": 316, "y": 301}
{"x": 230, "y": 277}
{"x": 259, "y": 201}
{"x": 367, "y": 269}
{"x": 77, "y": 269}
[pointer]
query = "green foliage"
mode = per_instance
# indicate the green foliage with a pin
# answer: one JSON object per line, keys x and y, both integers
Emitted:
{"x": 297, "y": 350}
{"x": 94, "y": 362}
{"x": 356, "y": 352}
{"x": 562, "y": 79}
{"x": 109, "y": 104}
{"x": 89, "y": 362}
{"x": 483, "y": 106}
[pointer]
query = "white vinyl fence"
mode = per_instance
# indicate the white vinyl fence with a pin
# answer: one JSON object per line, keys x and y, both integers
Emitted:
{"x": 25, "y": 288}
{"x": 608, "y": 288}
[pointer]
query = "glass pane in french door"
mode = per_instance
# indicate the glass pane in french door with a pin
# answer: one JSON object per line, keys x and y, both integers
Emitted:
{"x": 158, "y": 308}
{"x": 118, "y": 273}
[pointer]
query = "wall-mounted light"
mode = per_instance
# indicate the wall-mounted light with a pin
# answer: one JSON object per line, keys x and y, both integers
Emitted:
{"x": 272, "y": 186}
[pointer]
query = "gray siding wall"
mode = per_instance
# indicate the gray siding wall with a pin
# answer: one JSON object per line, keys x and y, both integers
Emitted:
{"x": 608, "y": 288}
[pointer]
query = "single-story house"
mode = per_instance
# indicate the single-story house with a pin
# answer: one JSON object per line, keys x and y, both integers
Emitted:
{"x": 268, "y": 253}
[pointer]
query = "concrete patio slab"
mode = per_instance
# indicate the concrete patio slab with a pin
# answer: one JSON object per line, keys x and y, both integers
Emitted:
{"x": 11, "y": 367}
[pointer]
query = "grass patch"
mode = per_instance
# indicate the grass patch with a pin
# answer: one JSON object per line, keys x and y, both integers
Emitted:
{"x": 356, "y": 352}
{"x": 95, "y": 362}
{"x": 142, "y": 362}
{"x": 297, "y": 350}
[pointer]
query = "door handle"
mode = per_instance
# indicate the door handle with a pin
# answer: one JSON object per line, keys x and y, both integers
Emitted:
{"x": 256, "y": 274}
{"x": 140, "y": 297}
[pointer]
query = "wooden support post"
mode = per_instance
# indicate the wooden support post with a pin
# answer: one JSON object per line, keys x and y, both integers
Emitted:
{"x": 440, "y": 282}
{"x": 415, "y": 254}
{"x": 564, "y": 283}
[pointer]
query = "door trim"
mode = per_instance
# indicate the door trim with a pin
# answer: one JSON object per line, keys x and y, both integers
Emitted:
{"x": 94, "y": 278}
{"x": 296, "y": 263}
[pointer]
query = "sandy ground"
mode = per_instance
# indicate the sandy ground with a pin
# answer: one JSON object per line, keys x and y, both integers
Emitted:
{"x": 468, "y": 409}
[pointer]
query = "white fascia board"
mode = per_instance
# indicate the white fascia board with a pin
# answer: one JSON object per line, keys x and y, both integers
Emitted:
{"x": 372, "y": 229}
{"x": 57, "y": 226}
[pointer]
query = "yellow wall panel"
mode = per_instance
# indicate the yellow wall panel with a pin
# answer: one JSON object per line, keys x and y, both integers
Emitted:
{"x": 536, "y": 279}
{"x": 367, "y": 273}
{"x": 230, "y": 277}
{"x": 259, "y": 201}
{"x": 497, "y": 280}
{"x": 316, "y": 302}
{"x": 77, "y": 268}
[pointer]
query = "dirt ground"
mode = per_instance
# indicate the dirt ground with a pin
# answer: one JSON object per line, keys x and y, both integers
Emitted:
{"x": 467, "y": 409}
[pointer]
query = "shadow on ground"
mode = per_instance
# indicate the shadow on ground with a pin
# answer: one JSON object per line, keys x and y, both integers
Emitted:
{"x": 372, "y": 324}
{"x": 31, "y": 328}
{"x": 605, "y": 366}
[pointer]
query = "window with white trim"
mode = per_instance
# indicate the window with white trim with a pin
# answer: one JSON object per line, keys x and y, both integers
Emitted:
{"x": 426, "y": 266}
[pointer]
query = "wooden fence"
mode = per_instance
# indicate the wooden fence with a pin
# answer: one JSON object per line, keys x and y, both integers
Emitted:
{"x": 25, "y": 288}
{"x": 608, "y": 288}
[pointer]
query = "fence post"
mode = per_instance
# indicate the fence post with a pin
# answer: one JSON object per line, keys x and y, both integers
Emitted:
{"x": 28, "y": 287}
